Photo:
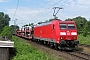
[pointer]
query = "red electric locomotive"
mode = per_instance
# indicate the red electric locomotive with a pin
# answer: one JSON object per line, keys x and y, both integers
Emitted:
{"x": 61, "y": 34}
{"x": 57, "y": 33}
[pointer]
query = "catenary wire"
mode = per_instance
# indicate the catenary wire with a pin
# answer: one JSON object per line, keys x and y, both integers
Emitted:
{"x": 16, "y": 9}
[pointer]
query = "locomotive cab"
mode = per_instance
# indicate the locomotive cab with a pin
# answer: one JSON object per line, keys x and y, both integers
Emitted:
{"x": 68, "y": 34}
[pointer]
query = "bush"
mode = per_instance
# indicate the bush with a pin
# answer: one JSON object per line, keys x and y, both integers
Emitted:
{"x": 85, "y": 33}
{"x": 84, "y": 40}
{"x": 6, "y": 32}
{"x": 25, "y": 51}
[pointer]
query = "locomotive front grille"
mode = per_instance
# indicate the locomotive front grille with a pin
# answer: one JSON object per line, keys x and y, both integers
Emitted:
{"x": 69, "y": 42}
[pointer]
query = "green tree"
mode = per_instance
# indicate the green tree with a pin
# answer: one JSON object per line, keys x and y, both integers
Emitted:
{"x": 14, "y": 28}
{"x": 69, "y": 19}
{"x": 26, "y": 25}
{"x": 46, "y": 21}
{"x": 30, "y": 24}
{"x": 52, "y": 19}
{"x": 88, "y": 26}
{"x": 80, "y": 23}
{"x": 4, "y": 20}
{"x": 85, "y": 32}
{"x": 39, "y": 22}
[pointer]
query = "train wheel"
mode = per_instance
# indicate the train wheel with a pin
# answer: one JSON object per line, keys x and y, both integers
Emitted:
{"x": 51, "y": 45}
{"x": 33, "y": 40}
{"x": 48, "y": 43}
{"x": 56, "y": 46}
{"x": 45, "y": 43}
{"x": 37, "y": 41}
{"x": 42, "y": 42}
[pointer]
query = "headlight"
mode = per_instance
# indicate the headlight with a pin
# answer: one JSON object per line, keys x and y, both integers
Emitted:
{"x": 73, "y": 33}
{"x": 62, "y": 33}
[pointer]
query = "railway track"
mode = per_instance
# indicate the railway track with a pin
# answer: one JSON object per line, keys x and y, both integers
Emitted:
{"x": 85, "y": 45}
{"x": 80, "y": 55}
{"x": 75, "y": 55}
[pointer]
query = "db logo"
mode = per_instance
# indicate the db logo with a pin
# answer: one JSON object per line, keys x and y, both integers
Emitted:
{"x": 68, "y": 33}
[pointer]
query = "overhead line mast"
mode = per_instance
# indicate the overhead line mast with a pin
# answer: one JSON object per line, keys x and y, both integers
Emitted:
{"x": 55, "y": 13}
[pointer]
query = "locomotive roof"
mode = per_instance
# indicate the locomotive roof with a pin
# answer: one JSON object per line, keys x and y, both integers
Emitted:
{"x": 66, "y": 22}
{"x": 60, "y": 21}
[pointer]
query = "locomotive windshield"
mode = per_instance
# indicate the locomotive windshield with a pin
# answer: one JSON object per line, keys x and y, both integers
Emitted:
{"x": 67, "y": 26}
{"x": 71, "y": 26}
{"x": 63, "y": 26}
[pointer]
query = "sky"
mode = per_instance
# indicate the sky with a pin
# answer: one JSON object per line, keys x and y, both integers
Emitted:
{"x": 34, "y": 11}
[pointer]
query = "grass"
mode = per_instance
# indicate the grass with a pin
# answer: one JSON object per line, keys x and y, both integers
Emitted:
{"x": 25, "y": 51}
{"x": 84, "y": 40}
